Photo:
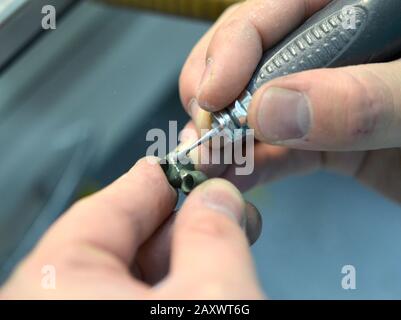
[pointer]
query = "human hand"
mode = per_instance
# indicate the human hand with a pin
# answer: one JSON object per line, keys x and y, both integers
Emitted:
{"x": 121, "y": 241}
{"x": 345, "y": 119}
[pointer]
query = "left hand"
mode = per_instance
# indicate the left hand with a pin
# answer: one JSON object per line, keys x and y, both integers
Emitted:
{"x": 121, "y": 241}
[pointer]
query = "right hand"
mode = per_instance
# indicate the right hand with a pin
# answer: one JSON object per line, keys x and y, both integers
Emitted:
{"x": 345, "y": 119}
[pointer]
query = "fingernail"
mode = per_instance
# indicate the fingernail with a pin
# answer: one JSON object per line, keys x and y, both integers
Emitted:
{"x": 201, "y": 118}
{"x": 193, "y": 107}
{"x": 283, "y": 115}
{"x": 221, "y": 196}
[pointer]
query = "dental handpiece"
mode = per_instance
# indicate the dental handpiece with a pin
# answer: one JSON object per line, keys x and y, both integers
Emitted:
{"x": 345, "y": 32}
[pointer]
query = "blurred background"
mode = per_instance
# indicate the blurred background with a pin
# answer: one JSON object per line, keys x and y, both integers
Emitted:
{"x": 76, "y": 104}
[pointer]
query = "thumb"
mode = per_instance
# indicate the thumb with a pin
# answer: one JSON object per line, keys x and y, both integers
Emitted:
{"x": 344, "y": 109}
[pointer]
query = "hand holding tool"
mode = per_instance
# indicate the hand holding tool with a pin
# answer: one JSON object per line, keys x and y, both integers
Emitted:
{"x": 346, "y": 32}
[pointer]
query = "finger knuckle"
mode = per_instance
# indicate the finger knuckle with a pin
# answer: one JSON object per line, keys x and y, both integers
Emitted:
{"x": 228, "y": 31}
{"x": 364, "y": 99}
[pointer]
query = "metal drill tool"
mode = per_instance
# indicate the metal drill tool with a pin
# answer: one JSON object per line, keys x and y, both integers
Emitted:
{"x": 346, "y": 32}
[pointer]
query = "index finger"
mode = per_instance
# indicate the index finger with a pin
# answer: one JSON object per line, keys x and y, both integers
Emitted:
{"x": 118, "y": 219}
{"x": 238, "y": 44}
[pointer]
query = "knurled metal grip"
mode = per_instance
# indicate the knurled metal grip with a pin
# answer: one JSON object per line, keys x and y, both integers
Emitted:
{"x": 316, "y": 47}
{"x": 346, "y": 32}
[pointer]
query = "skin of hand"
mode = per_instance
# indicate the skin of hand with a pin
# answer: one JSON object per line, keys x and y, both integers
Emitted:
{"x": 125, "y": 242}
{"x": 346, "y": 120}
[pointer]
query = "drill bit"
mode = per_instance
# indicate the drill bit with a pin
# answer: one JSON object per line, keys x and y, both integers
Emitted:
{"x": 209, "y": 135}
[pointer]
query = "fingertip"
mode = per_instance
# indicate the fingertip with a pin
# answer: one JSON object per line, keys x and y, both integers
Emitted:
{"x": 194, "y": 67}
{"x": 145, "y": 162}
{"x": 229, "y": 67}
{"x": 148, "y": 166}
{"x": 221, "y": 185}
{"x": 208, "y": 96}
{"x": 208, "y": 228}
{"x": 219, "y": 195}
{"x": 151, "y": 169}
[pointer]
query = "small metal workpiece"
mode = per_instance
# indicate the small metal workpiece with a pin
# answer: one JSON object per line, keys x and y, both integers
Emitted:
{"x": 181, "y": 173}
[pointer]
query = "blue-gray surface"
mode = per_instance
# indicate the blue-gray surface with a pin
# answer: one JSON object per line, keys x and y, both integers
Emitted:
{"x": 90, "y": 84}
{"x": 109, "y": 70}
{"x": 315, "y": 225}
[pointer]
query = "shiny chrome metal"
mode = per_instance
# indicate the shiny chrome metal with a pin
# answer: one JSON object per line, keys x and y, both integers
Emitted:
{"x": 234, "y": 118}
